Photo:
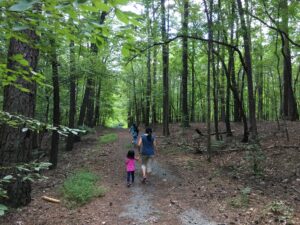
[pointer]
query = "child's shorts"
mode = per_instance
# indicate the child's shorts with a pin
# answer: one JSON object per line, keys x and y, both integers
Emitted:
{"x": 147, "y": 162}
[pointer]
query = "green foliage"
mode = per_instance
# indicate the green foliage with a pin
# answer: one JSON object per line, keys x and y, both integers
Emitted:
{"x": 281, "y": 210}
{"x": 242, "y": 200}
{"x": 26, "y": 123}
{"x": 256, "y": 158}
{"x": 27, "y": 171}
{"x": 3, "y": 208}
{"x": 81, "y": 187}
{"x": 108, "y": 138}
{"x": 23, "y": 5}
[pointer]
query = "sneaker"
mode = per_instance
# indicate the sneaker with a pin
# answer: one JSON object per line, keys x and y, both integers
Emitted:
{"x": 128, "y": 184}
{"x": 144, "y": 180}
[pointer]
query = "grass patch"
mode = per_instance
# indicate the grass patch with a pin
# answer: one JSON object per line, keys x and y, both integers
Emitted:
{"x": 129, "y": 146}
{"x": 81, "y": 187}
{"x": 242, "y": 200}
{"x": 108, "y": 138}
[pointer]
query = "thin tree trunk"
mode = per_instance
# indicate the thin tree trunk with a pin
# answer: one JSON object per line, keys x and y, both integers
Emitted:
{"x": 56, "y": 111}
{"x": 97, "y": 108}
{"x": 72, "y": 106}
{"x": 248, "y": 62}
{"x": 165, "y": 59}
{"x": 209, "y": 56}
{"x": 184, "y": 76}
{"x": 84, "y": 102}
{"x": 193, "y": 83}
{"x": 154, "y": 93}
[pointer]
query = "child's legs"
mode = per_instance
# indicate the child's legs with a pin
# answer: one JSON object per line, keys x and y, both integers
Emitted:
{"x": 132, "y": 176}
{"x": 128, "y": 176}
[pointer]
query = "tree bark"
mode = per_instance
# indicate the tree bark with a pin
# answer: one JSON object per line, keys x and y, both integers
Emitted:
{"x": 97, "y": 107}
{"x": 16, "y": 101}
{"x": 165, "y": 59}
{"x": 248, "y": 62}
{"x": 56, "y": 110}
{"x": 193, "y": 83}
{"x": 290, "y": 111}
{"x": 72, "y": 106}
{"x": 184, "y": 75}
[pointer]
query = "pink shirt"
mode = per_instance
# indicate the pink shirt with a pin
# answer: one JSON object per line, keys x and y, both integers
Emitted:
{"x": 130, "y": 165}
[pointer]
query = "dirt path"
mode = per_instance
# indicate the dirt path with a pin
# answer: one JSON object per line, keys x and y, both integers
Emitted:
{"x": 161, "y": 201}
{"x": 152, "y": 202}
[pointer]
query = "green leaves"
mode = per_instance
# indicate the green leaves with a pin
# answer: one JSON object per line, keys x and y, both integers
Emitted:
{"x": 3, "y": 208}
{"x": 23, "y": 5}
{"x": 122, "y": 17}
{"x": 22, "y": 122}
{"x": 101, "y": 6}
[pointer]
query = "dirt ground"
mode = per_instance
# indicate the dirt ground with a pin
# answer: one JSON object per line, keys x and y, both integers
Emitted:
{"x": 184, "y": 188}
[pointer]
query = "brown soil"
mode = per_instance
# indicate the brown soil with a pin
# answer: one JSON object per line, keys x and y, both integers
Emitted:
{"x": 185, "y": 188}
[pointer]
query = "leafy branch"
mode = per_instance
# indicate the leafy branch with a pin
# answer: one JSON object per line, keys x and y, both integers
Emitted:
{"x": 18, "y": 121}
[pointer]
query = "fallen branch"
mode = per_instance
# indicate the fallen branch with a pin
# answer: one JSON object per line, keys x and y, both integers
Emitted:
{"x": 295, "y": 189}
{"x": 201, "y": 134}
{"x": 50, "y": 199}
{"x": 283, "y": 146}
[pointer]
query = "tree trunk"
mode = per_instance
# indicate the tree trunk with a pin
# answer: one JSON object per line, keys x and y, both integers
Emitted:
{"x": 193, "y": 83}
{"x": 154, "y": 93}
{"x": 148, "y": 86}
{"x": 56, "y": 111}
{"x": 290, "y": 111}
{"x": 248, "y": 63}
{"x": 165, "y": 59}
{"x": 84, "y": 102}
{"x": 184, "y": 75}
{"x": 72, "y": 106}
{"x": 97, "y": 108}
{"x": 16, "y": 101}
{"x": 209, "y": 56}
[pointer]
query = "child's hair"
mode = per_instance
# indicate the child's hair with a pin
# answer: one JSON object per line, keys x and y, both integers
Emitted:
{"x": 130, "y": 154}
{"x": 149, "y": 132}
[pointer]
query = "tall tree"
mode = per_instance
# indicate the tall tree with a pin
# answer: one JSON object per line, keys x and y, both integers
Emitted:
{"x": 72, "y": 104}
{"x": 56, "y": 109}
{"x": 16, "y": 143}
{"x": 209, "y": 55}
{"x": 165, "y": 59}
{"x": 148, "y": 86}
{"x": 184, "y": 75}
{"x": 289, "y": 102}
{"x": 248, "y": 63}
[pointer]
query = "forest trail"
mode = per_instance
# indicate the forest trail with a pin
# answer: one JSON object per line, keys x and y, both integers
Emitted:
{"x": 184, "y": 189}
{"x": 153, "y": 203}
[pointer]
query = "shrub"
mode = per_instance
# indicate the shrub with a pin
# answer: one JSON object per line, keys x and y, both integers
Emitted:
{"x": 80, "y": 187}
{"x": 241, "y": 200}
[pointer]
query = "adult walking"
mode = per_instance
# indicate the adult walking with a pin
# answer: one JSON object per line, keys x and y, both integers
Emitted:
{"x": 147, "y": 146}
{"x": 134, "y": 130}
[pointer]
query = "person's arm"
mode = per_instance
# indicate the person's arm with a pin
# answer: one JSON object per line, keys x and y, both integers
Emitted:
{"x": 139, "y": 144}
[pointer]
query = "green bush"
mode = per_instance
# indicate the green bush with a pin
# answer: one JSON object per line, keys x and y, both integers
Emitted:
{"x": 108, "y": 138}
{"x": 80, "y": 187}
{"x": 242, "y": 200}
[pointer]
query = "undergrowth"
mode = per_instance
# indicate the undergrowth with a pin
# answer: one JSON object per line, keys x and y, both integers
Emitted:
{"x": 108, "y": 138}
{"x": 81, "y": 187}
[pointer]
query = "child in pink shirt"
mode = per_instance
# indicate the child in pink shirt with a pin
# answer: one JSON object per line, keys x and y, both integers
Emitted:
{"x": 130, "y": 166}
